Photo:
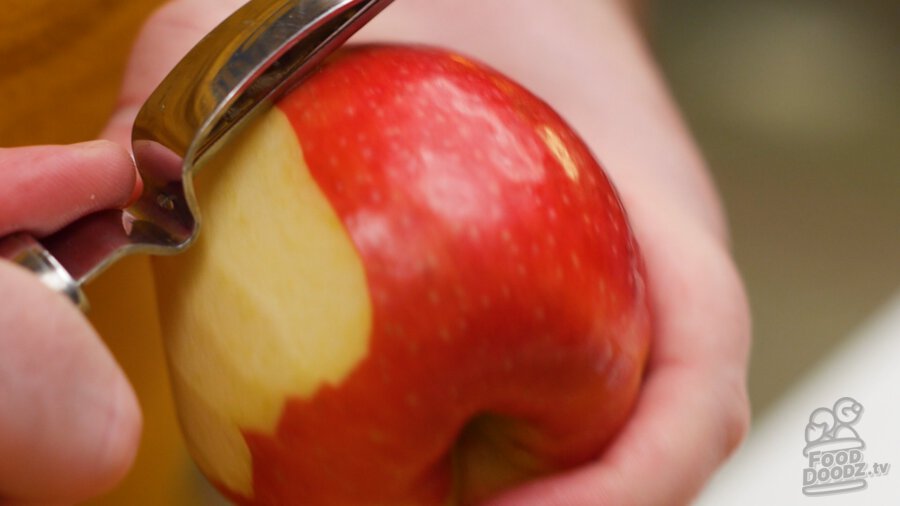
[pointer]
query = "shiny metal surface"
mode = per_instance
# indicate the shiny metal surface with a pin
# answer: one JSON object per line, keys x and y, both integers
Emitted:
{"x": 245, "y": 63}
{"x": 24, "y": 250}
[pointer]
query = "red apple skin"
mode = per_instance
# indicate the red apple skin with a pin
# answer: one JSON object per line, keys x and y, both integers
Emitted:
{"x": 504, "y": 280}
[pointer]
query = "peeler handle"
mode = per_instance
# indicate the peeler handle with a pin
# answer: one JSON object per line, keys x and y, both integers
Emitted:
{"x": 24, "y": 250}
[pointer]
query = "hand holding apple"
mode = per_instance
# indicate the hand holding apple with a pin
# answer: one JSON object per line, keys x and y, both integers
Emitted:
{"x": 595, "y": 71}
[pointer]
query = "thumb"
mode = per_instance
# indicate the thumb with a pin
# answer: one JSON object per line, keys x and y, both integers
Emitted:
{"x": 69, "y": 420}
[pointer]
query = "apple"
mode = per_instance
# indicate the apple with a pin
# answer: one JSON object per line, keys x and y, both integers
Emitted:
{"x": 414, "y": 285}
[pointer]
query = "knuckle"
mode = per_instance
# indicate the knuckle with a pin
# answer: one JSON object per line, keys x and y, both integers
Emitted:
{"x": 737, "y": 417}
{"x": 740, "y": 425}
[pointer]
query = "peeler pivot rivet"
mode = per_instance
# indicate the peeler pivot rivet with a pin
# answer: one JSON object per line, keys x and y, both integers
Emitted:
{"x": 166, "y": 202}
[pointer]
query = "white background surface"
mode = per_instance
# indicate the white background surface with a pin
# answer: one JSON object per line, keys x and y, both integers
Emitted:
{"x": 768, "y": 469}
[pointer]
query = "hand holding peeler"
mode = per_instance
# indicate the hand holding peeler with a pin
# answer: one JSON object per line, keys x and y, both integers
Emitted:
{"x": 246, "y": 63}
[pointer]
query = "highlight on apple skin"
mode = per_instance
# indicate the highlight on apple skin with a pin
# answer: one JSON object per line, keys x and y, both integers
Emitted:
{"x": 414, "y": 285}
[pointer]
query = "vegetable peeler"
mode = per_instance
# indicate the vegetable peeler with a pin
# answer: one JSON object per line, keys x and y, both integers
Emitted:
{"x": 245, "y": 64}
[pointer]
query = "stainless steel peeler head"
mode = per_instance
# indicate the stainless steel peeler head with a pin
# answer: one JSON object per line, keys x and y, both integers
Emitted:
{"x": 244, "y": 64}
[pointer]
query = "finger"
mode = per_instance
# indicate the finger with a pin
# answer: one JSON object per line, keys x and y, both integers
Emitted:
{"x": 45, "y": 187}
{"x": 674, "y": 442}
{"x": 693, "y": 409}
{"x": 165, "y": 38}
{"x": 69, "y": 421}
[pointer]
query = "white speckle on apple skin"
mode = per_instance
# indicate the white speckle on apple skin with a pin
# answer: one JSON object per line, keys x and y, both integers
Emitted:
{"x": 576, "y": 261}
{"x": 559, "y": 273}
{"x": 614, "y": 251}
{"x": 619, "y": 370}
{"x": 604, "y": 356}
{"x": 615, "y": 223}
{"x": 363, "y": 178}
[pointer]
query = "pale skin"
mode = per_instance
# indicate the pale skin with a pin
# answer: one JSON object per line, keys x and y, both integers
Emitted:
{"x": 588, "y": 60}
